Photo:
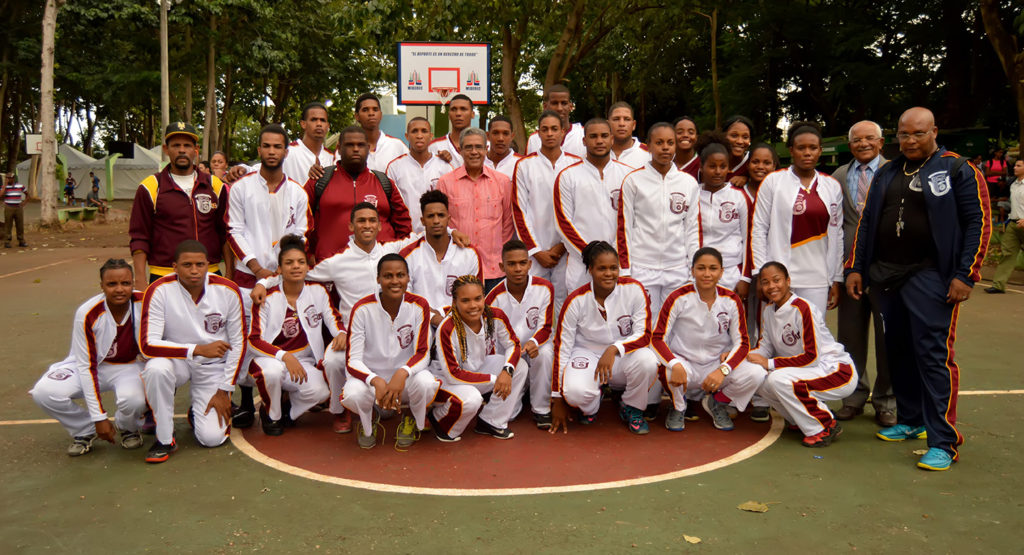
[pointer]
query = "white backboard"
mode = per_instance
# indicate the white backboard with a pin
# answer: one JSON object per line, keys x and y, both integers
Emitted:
{"x": 433, "y": 72}
{"x": 33, "y": 144}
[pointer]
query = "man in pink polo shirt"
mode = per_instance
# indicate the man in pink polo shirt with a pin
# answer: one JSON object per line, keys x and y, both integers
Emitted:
{"x": 480, "y": 203}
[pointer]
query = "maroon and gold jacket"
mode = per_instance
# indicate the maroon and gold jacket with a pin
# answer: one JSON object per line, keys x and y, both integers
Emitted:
{"x": 163, "y": 216}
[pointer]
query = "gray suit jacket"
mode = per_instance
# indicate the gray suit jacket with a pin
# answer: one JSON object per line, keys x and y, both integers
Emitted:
{"x": 850, "y": 215}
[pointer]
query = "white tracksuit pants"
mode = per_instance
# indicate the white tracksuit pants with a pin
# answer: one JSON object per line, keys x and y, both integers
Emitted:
{"x": 540, "y": 380}
{"x": 162, "y": 376}
{"x": 56, "y": 389}
{"x": 556, "y": 276}
{"x": 739, "y": 386}
{"x": 420, "y": 389}
{"x": 497, "y": 412}
{"x": 799, "y": 393}
{"x": 275, "y": 378}
{"x": 817, "y": 296}
{"x": 635, "y": 372}
{"x": 334, "y": 370}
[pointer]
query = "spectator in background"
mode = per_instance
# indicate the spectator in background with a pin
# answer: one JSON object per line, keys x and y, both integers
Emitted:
{"x": 1013, "y": 232}
{"x": 69, "y": 190}
{"x": 94, "y": 179}
{"x": 14, "y": 197}
{"x": 219, "y": 165}
{"x": 995, "y": 170}
{"x": 93, "y": 200}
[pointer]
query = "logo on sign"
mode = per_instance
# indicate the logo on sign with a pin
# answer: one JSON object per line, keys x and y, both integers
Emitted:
{"x": 415, "y": 82}
{"x": 790, "y": 335}
{"x": 213, "y": 322}
{"x": 472, "y": 82}
{"x": 404, "y": 335}
{"x": 625, "y": 324}
{"x": 313, "y": 316}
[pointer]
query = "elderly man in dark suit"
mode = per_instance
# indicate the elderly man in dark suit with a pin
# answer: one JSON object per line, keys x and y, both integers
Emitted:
{"x": 855, "y": 316}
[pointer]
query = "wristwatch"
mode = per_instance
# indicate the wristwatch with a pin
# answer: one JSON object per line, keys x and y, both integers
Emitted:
{"x": 510, "y": 369}
{"x": 725, "y": 369}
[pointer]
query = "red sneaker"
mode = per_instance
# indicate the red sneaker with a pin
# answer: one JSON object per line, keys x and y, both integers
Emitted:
{"x": 823, "y": 438}
{"x": 342, "y": 423}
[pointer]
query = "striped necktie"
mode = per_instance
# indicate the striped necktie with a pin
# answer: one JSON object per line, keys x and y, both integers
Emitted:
{"x": 862, "y": 186}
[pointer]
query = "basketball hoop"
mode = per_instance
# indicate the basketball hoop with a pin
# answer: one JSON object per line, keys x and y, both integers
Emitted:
{"x": 442, "y": 94}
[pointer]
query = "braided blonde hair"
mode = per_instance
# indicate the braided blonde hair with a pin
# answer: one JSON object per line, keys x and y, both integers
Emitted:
{"x": 460, "y": 326}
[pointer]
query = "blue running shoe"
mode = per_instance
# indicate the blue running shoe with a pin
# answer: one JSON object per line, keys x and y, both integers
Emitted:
{"x": 935, "y": 459}
{"x": 636, "y": 422}
{"x": 901, "y": 432}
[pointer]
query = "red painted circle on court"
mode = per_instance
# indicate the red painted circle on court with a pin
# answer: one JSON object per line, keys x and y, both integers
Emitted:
{"x": 600, "y": 453}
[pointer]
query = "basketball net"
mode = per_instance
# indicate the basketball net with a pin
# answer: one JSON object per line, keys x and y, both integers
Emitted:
{"x": 442, "y": 94}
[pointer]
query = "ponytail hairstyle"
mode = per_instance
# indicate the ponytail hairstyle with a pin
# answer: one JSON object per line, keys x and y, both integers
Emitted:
{"x": 595, "y": 249}
{"x": 290, "y": 243}
{"x": 711, "y": 142}
{"x": 460, "y": 326}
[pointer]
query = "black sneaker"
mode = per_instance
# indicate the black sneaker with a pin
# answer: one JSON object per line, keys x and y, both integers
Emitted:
{"x": 441, "y": 436}
{"x": 270, "y": 427}
{"x": 243, "y": 417}
{"x": 488, "y": 430}
{"x": 159, "y": 452}
{"x": 995, "y": 290}
{"x": 543, "y": 421}
{"x": 651, "y": 412}
{"x": 760, "y": 414}
{"x": 691, "y": 414}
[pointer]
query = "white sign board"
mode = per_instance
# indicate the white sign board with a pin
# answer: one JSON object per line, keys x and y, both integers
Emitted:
{"x": 434, "y": 72}
{"x": 33, "y": 144}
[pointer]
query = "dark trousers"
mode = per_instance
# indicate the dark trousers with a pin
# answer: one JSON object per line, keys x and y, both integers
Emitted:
{"x": 920, "y": 328}
{"x": 855, "y": 321}
{"x": 491, "y": 283}
{"x": 14, "y": 216}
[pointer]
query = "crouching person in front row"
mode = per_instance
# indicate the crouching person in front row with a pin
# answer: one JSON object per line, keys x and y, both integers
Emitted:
{"x": 388, "y": 352}
{"x": 287, "y": 340}
{"x": 104, "y": 356}
{"x": 192, "y": 331}
{"x": 479, "y": 354}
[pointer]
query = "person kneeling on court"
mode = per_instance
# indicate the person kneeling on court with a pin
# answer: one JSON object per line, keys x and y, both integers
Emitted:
{"x": 805, "y": 365}
{"x": 192, "y": 331}
{"x": 479, "y": 354}
{"x": 701, "y": 339}
{"x": 104, "y": 356}
{"x": 287, "y": 340}
{"x": 388, "y": 353}
{"x": 602, "y": 338}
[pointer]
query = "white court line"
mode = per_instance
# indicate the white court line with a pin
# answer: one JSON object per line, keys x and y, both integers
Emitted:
{"x": 751, "y": 450}
{"x": 45, "y": 421}
{"x": 994, "y": 392}
{"x": 25, "y": 271}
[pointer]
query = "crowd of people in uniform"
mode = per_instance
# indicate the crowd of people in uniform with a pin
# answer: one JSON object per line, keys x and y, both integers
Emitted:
{"x": 463, "y": 283}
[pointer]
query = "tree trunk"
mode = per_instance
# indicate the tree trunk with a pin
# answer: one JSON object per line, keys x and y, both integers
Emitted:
{"x": 510, "y": 45}
{"x": 561, "y": 53}
{"x": 90, "y": 130}
{"x": 46, "y": 113}
{"x": 210, "y": 127}
{"x": 188, "y": 76}
{"x": 1010, "y": 56}
{"x": 165, "y": 84}
{"x": 229, "y": 99}
{"x": 713, "y": 19}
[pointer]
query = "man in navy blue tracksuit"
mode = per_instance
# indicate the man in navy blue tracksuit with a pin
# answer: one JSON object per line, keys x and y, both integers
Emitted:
{"x": 919, "y": 248}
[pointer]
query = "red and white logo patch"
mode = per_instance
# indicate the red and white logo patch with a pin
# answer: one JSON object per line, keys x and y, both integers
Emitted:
{"x": 372, "y": 199}
{"x": 677, "y": 203}
{"x": 625, "y": 324}
{"x": 532, "y": 317}
{"x": 290, "y": 328}
{"x": 449, "y": 281}
{"x": 723, "y": 322}
{"x": 59, "y": 375}
{"x": 213, "y": 322}
{"x": 578, "y": 363}
{"x": 727, "y": 212}
{"x": 790, "y": 335}
{"x": 313, "y": 316}
{"x": 614, "y": 198}
{"x": 404, "y": 335}
{"x": 204, "y": 203}
{"x": 800, "y": 204}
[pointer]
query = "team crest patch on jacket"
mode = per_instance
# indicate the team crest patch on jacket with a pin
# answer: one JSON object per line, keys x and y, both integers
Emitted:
{"x": 790, "y": 335}
{"x": 213, "y": 322}
{"x": 313, "y": 316}
{"x": 372, "y": 199}
{"x": 533, "y": 317}
{"x": 113, "y": 350}
{"x": 939, "y": 183}
{"x": 578, "y": 363}
{"x": 205, "y": 204}
{"x": 614, "y": 198}
{"x": 404, "y": 335}
{"x": 677, "y": 203}
{"x": 723, "y": 321}
{"x": 59, "y": 375}
{"x": 290, "y": 328}
{"x": 625, "y": 324}
{"x": 727, "y": 212}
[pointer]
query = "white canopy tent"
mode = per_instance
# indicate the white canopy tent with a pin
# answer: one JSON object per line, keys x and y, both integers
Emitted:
{"x": 127, "y": 173}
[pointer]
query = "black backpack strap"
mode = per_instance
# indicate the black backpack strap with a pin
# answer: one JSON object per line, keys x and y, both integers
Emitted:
{"x": 385, "y": 183}
{"x": 321, "y": 184}
{"x": 956, "y": 166}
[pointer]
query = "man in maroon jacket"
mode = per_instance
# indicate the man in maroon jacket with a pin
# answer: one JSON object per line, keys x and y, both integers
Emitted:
{"x": 351, "y": 183}
{"x": 176, "y": 204}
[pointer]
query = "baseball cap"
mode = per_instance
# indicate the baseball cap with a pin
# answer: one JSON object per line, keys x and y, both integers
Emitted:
{"x": 180, "y": 128}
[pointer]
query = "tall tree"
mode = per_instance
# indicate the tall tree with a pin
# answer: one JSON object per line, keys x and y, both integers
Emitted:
{"x": 1009, "y": 51}
{"x": 49, "y": 186}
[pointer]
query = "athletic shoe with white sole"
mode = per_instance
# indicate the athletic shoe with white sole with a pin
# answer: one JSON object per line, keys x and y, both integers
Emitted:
{"x": 131, "y": 440}
{"x": 675, "y": 421}
{"x": 81, "y": 445}
{"x": 441, "y": 436}
{"x": 367, "y": 441}
{"x": 935, "y": 459}
{"x": 717, "y": 411}
{"x": 760, "y": 414}
{"x": 634, "y": 419}
{"x": 159, "y": 452}
{"x": 407, "y": 434}
{"x": 901, "y": 432}
{"x": 487, "y": 429}
{"x": 691, "y": 413}
{"x": 543, "y": 421}
{"x": 651, "y": 412}
{"x": 825, "y": 437}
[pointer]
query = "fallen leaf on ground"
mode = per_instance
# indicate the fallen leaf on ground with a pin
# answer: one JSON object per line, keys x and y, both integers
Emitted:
{"x": 753, "y": 507}
{"x": 920, "y": 451}
{"x": 691, "y": 539}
